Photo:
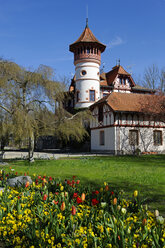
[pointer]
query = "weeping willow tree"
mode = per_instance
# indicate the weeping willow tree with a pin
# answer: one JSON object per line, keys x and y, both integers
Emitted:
{"x": 33, "y": 101}
{"x": 22, "y": 96}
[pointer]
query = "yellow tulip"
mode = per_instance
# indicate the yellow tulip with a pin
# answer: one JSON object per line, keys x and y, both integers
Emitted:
{"x": 135, "y": 193}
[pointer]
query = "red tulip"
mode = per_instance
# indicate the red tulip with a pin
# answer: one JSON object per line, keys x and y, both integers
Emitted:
{"x": 45, "y": 197}
{"x": 115, "y": 201}
{"x": 75, "y": 195}
{"x": 96, "y": 192}
{"x": 106, "y": 188}
{"x": 94, "y": 201}
{"x": 63, "y": 206}
{"x": 79, "y": 200}
{"x": 73, "y": 210}
{"x": 50, "y": 179}
{"x": 55, "y": 202}
{"x": 27, "y": 184}
{"x": 144, "y": 222}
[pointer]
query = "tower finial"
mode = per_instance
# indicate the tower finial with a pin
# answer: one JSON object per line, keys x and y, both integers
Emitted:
{"x": 87, "y": 17}
{"x": 86, "y": 22}
{"x": 118, "y": 62}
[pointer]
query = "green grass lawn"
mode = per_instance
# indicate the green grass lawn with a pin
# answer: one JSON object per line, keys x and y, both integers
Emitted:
{"x": 145, "y": 174}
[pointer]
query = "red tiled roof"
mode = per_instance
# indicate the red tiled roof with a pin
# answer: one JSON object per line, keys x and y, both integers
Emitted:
{"x": 88, "y": 37}
{"x": 131, "y": 102}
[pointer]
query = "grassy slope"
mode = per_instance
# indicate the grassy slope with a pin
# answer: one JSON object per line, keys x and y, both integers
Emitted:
{"x": 145, "y": 174}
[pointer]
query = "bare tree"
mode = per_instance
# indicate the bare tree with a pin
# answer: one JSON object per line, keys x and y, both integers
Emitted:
{"x": 151, "y": 77}
{"x": 162, "y": 81}
{"x": 154, "y": 78}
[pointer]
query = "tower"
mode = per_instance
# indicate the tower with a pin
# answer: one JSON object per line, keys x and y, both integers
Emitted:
{"x": 87, "y": 59}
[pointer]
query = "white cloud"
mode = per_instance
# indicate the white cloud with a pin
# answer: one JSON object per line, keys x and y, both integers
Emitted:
{"x": 117, "y": 41}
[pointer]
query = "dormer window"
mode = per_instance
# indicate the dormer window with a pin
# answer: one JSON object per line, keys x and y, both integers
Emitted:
{"x": 122, "y": 81}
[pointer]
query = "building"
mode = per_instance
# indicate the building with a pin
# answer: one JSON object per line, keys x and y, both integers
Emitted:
{"x": 125, "y": 119}
{"x": 122, "y": 124}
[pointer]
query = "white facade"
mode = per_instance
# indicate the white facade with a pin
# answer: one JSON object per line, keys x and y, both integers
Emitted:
{"x": 87, "y": 83}
{"x": 109, "y": 140}
{"x": 145, "y": 137}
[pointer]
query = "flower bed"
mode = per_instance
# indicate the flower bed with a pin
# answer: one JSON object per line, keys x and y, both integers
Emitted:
{"x": 52, "y": 213}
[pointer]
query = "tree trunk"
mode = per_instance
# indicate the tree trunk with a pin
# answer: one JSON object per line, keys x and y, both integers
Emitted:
{"x": 2, "y": 150}
{"x": 2, "y": 156}
{"x": 31, "y": 148}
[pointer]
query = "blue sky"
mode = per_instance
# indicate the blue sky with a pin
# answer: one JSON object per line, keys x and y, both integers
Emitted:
{"x": 34, "y": 32}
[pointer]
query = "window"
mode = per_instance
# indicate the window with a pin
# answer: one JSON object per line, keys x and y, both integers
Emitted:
{"x": 78, "y": 96}
{"x": 157, "y": 138}
{"x": 88, "y": 50}
{"x": 105, "y": 94}
{"x": 83, "y": 73}
{"x": 120, "y": 80}
{"x": 124, "y": 81}
{"x": 102, "y": 138}
{"x": 133, "y": 137}
{"x": 100, "y": 117}
{"x": 92, "y": 95}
